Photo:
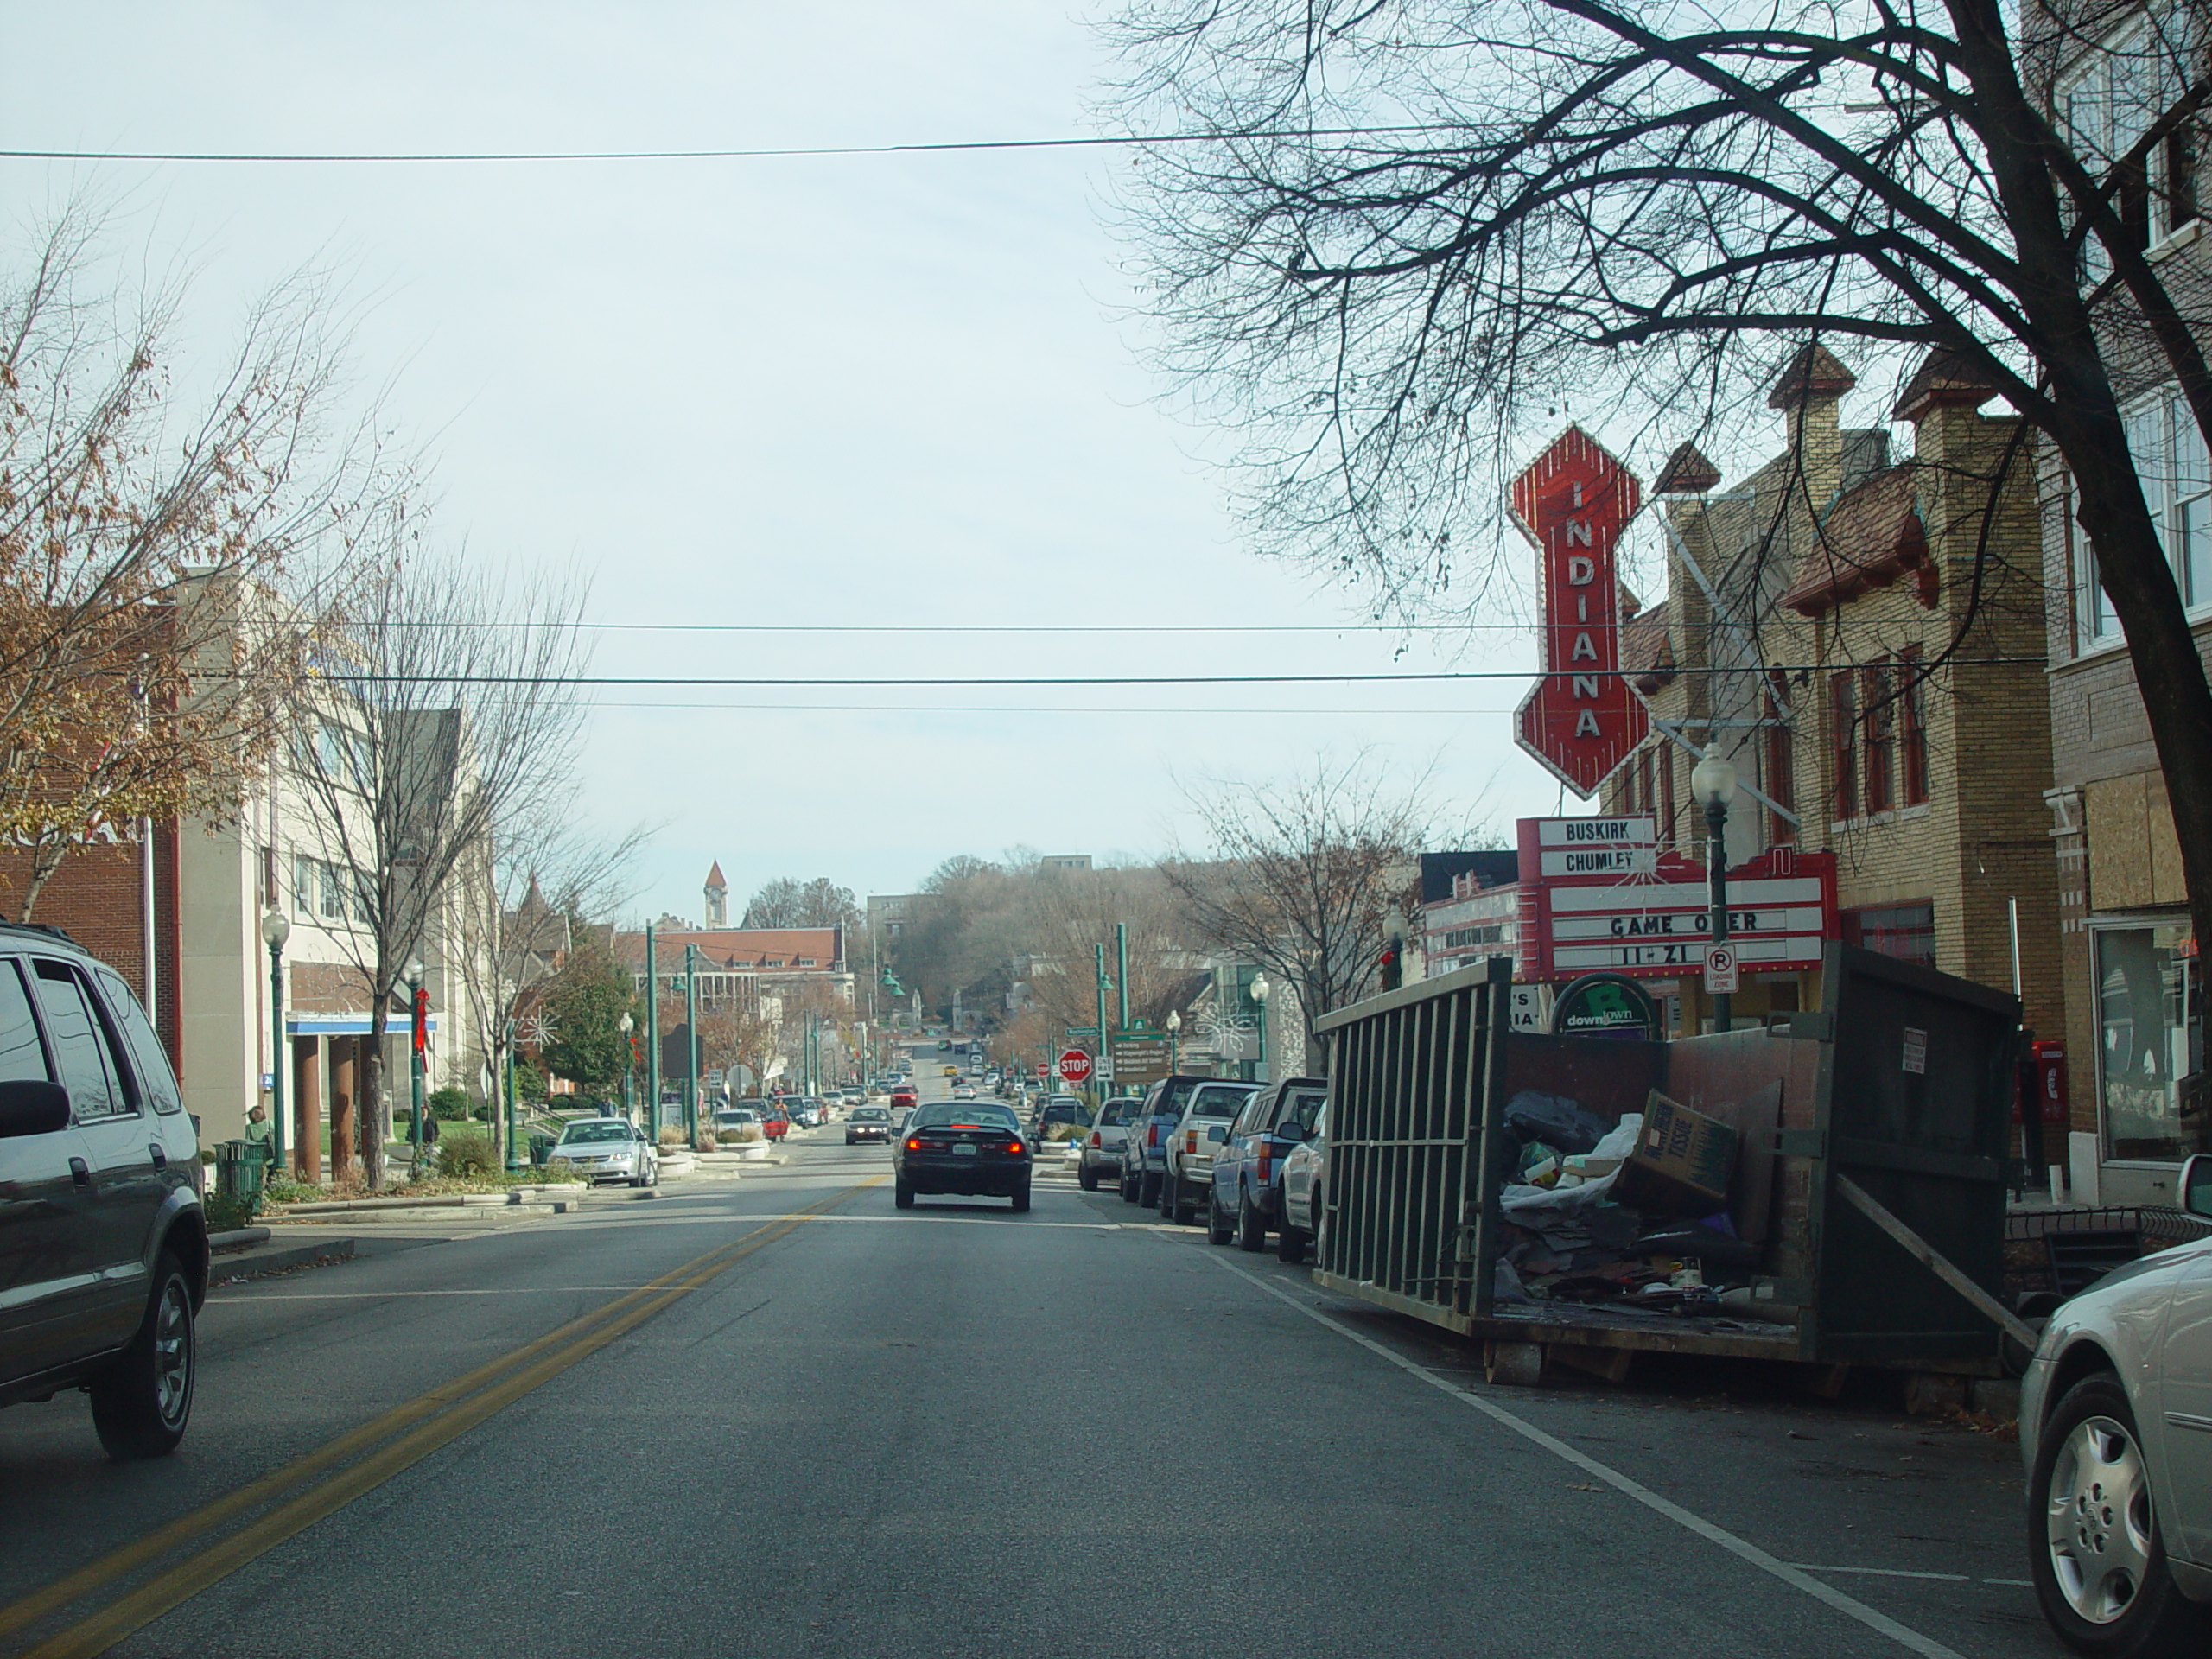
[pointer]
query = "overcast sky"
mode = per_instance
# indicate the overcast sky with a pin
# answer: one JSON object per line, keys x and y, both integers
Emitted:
{"x": 873, "y": 391}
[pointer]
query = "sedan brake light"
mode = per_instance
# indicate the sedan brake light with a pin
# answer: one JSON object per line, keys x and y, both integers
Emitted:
{"x": 912, "y": 1145}
{"x": 1013, "y": 1146}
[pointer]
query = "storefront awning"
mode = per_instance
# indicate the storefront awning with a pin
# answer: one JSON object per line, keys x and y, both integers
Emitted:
{"x": 345, "y": 1024}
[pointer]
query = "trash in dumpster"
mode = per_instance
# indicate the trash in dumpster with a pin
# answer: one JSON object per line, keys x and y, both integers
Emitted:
{"x": 1561, "y": 1124}
{"x": 1681, "y": 1163}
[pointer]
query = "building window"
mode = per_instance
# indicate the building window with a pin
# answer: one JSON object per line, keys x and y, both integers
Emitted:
{"x": 302, "y": 884}
{"x": 1843, "y": 742}
{"x": 2123, "y": 89}
{"x": 1912, "y": 725}
{"x": 2149, "y": 1035}
{"x": 1905, "y": 932}
{"x": 1880, "y": 727}
{"x": 2176, "y": 476}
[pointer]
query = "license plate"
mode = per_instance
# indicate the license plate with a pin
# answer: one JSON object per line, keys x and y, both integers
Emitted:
{"x": 963, "y": 1151}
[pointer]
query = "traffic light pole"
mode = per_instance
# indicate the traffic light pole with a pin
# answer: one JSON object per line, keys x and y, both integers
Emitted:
{"x": 653, "y": 1036}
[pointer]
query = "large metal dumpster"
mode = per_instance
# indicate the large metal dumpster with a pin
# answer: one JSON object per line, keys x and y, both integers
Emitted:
{"x": 1900, "y": 1084}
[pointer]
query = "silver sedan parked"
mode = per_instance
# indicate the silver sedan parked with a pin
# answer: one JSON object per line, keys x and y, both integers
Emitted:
{"x": 608, "y": 1149}
{"x": 2116, "y": 1431}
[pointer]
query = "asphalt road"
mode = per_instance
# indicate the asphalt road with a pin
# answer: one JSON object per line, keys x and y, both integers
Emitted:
{"x": 955, "y": 1431}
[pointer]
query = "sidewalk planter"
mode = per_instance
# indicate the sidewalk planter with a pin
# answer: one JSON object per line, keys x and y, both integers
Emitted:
{"x": 1901, "y": 1083}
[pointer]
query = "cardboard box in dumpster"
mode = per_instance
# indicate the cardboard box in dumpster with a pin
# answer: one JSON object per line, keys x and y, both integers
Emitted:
{"x": 1681, "y": 1162}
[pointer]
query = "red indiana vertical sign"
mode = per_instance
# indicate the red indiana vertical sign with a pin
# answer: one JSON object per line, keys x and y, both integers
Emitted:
{"x": 1582, "y": 720}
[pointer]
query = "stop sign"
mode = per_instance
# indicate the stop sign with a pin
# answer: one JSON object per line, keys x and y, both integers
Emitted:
{"x": 1075, "y": 1066}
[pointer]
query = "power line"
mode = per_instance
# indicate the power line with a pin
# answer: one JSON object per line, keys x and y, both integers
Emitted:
{"x": 761, "y": 153}
{"x": 1023, "y": 708}
{"x": 856, "y": 683}
{"x": 1006, "y": 627}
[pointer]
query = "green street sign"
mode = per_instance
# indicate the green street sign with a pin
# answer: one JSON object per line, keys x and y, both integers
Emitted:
{"x": 1082, "y": 1031}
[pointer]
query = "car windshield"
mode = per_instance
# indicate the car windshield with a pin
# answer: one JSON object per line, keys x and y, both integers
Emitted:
{"x": 971, "y": 1114}
{"x": 1220, "y": 1099}
{"x": 586, "y": 1133}
{"x": 870, "y": 1115}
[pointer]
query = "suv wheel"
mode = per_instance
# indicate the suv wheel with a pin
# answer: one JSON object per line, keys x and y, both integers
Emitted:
{"x": 1086, "y": 1177}
{"x": 142, "y": 1403}
{"x": 1218, "y": 1226}
{"x": 1168, "y": 1196}
{"x": 1251, "y": 1232}
{"x": 1290, "y": 1244}
{"x": 1148, "y": 1188}
{"x": 2094, "y": 1549}
{"x": 1132, "y": 1186}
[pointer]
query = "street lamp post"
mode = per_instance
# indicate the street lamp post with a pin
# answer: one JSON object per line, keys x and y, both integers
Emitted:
{"x": 515, "y": 1160}
{"x": 275, "y": 928}
{"x": 415, "y": 1052}
{"x": 625, "y": 1025}
{"x": 691, "y": 1045}
{"x": 1174, "y": 1038}
{"x": 1105, "y": 984}
{"x": 1259, "y": 989}
{"x": 652, "y": 1037}
{"x": 1712, "y": 782}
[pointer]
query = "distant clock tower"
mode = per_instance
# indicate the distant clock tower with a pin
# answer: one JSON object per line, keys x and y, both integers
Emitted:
{"x": 717, "y": 897}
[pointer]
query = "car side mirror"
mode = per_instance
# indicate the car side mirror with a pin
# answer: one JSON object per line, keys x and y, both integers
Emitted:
{"x": 1291, "y": 1129}
{"x": 2197, "y": 1184}
{"x": 1217, "y": 1132}
{"x": 33, "y": 1107}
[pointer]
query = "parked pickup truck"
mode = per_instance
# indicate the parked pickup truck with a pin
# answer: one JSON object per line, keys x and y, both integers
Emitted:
{"x": 1144, "y": 1151}
{"x": 1246, "y": 1203}
{"x": 1188, "y": 1177}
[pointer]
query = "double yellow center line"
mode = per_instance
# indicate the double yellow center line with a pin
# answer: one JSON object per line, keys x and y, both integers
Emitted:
{"x": 364, "y": 1457}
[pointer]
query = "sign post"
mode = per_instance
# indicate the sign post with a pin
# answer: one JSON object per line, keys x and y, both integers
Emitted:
{"x": 1582, "y": 720}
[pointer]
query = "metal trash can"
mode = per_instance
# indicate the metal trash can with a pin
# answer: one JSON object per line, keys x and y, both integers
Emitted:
{"x": 541, "y": 1148}
{"x": 241, "y": 1167}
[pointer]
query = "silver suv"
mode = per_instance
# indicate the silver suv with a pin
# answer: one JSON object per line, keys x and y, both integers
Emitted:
{"x": 103, "y": 1245}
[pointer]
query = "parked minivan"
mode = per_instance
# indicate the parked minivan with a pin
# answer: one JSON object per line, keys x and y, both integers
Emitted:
{"x": 103, "y": 1243}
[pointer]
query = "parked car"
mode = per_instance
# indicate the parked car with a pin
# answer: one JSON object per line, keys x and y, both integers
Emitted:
{"x": 1056, "y": 1110}
{"x": 106, "y": 1246}
{"x": 1188, "y": 1150}
{"x": 1304, "y": 1173}
{"x": 608, "y": 1149}
{"x": 1246, "y": 1202}
{"x": 1144, "y": 1151}
{"x": 2116, "y": 1435}
{"x": 736, "y": 1117}
{"x": 867, "y": 1123}
{"x": 1101, "y": 1147}
{"x": 973, "y": 1149}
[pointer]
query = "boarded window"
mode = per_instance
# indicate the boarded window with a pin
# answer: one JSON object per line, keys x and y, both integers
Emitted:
{"x": 1843, "y": 743}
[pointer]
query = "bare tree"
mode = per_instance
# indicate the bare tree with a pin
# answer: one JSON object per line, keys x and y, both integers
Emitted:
{"x": 451, "y": 713}
{"x": 1069, "y": 911}
{"x": 1302, "y": 877}
{"x": 788, "y": 903}
{"x": 1428, "y": 224}
{"x": 549, "y": 871}
{"x": 169, "y": 538}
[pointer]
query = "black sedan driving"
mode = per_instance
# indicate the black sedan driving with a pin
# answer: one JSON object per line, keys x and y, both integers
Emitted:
{"x": 973, "y": 1148}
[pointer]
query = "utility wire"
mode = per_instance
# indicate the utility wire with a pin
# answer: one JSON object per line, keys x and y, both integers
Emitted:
{"x": 767, "y": 684}
{"x": 762, "y": 153}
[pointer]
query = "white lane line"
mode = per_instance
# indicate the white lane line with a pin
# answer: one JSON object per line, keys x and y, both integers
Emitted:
{"x": 1882, "y": 1573}
{"x": 1796, "y": 1578}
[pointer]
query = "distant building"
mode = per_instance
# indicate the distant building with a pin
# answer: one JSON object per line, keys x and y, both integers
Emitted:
{"x": 1470, "y": 902}
{"x": 1059, "y": 861}
{"x": 717, "y": 897}
{"x": 742, "y": 964}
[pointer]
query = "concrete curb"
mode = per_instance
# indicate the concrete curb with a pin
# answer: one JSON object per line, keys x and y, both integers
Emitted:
{"x": 252, "y": 1263}
{"x": 447, "y": 1201}
{"x": 237, "y": 1239}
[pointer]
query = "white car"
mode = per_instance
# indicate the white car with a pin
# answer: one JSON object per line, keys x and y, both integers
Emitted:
{"x": 2116, "y": 1433}
{"x": 1303, "y": 1173}
{"x": 608, "y": 1149}
{"x": 1101, "y": 1147}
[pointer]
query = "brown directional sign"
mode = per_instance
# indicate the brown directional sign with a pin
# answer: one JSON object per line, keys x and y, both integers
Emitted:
{"x": 1139, "y": 1058}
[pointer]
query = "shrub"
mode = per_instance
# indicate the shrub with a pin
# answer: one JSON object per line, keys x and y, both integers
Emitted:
{"x": 704, "y": 1142}
{"x": 226, "y": 1214}
{"x": 672, "y": 1136}
{"x": 449, "y": 1105}
{"x": 466, "y": 1154}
